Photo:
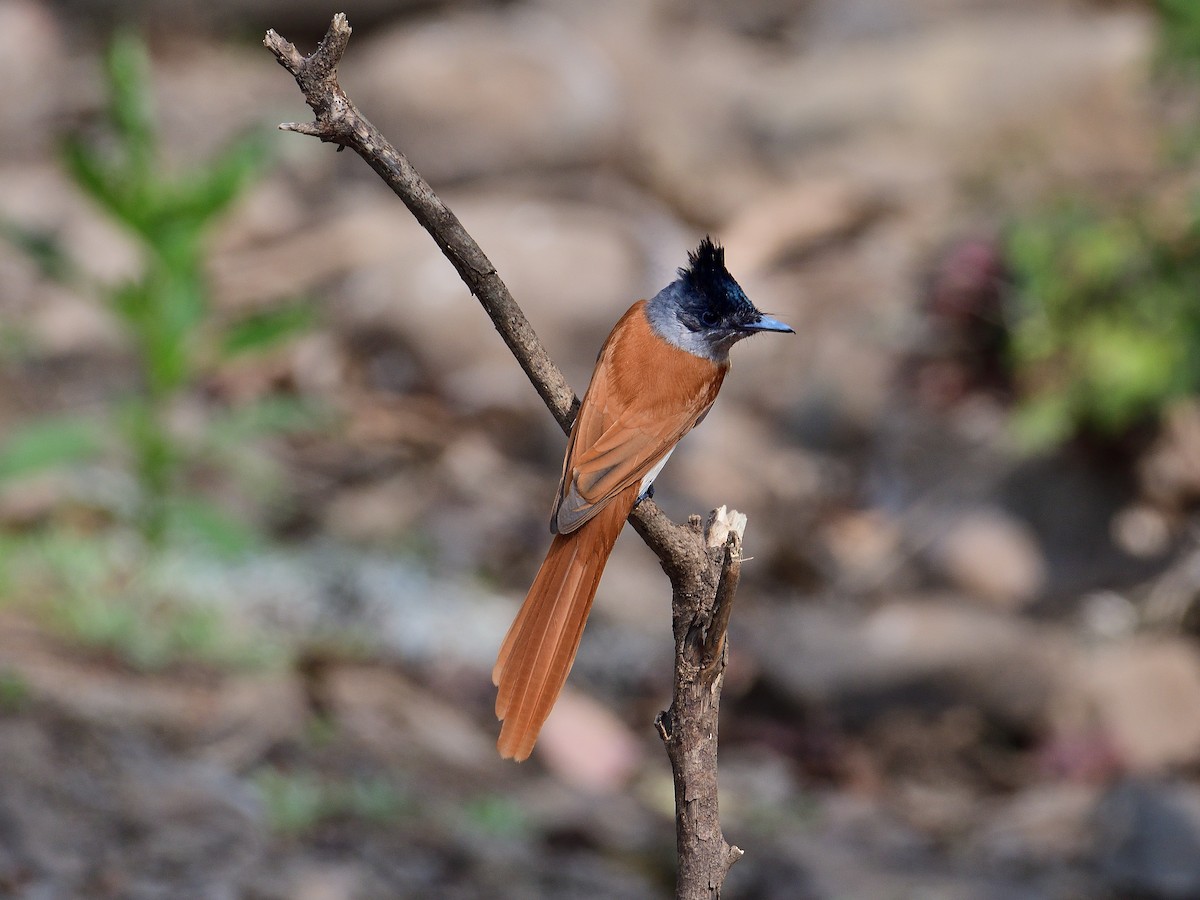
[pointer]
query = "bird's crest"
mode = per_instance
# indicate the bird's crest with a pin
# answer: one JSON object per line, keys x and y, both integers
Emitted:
{"x": 706, "y": 273}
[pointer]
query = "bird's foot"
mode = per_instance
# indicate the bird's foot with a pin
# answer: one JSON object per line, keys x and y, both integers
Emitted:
{"x": 647, "y": 494}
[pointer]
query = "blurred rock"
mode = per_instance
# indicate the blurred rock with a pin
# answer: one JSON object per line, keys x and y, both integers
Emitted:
{"x": 752, "y": 779}
{"x": 302, "y": 21}
{"x": 324, "y": 595}
{"x": 944, "y": 809}
{"x": 393, "y": 719}
{"x": 260, "y": 224}
{"x": 1170, "y": 472}
{"x": 1173, "y": 599}
{"x": 42, "y": 198}
{"x": 1108, "y": 615}
{"x": 587, "y": 746}
{"x": 195, "y": 816}
{"x": 684, "y": 136}
{"x": 838, "y": 363}
{"x": 65, "y": 323}
{"x": 1142, "y": 694}
{"x": 304, "y": 259}
{"x": 712, "y": 462}
{"x": 34, "y": 69}
{"x": 231, "y": 720}
{"x": 1043, "y": 824}
{"x": 574, "y": 269}
{"x": 490, "y": 513}
{"x": 800, "y": 218}
{"x": 1142, "y": 531}
{"x": 487, "y": 92}
{"x": 634, "y": 595}
{"x": 865, "y": 546}
{"x": 1148, "y": 839}
{"x": 379, "y": 512}
{"x": 29, "y": 502}
{"x": 95, "y": 811}
{"x": 988, "y": 554}
{"x": 208, "y": 95}
{"x": 952, "y": 87}
{"x": 953, "y": 650}
{"x": 851, "y": 846}
{"x": 325, "y": 882}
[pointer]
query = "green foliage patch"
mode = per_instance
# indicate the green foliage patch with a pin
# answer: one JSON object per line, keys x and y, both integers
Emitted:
{"x": 99, "y": 592}
{"x": 1107, "y": 326}
{"x": 1106, "y": 320}
{"x": 167, "y": 313}
{"x": 298, "y": 801}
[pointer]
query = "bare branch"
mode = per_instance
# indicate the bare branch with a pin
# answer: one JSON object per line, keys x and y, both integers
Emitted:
{"x": 703, "y": 569}
{"x": 301, "y": 128}
{"x": 338, "y": 121}
{"x": 724, "y": 529}
{"x": 702, "y": 601}
{"x": 731, "y": 572}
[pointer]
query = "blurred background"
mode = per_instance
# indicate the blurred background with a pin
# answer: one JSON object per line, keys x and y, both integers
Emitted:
{"x": 271, "y": 488}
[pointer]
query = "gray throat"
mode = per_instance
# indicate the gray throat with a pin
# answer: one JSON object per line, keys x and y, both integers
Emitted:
{"x": 663, "y": 313}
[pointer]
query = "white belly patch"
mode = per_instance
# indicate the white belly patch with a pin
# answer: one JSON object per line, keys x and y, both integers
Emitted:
{"x": 649, "y": 477}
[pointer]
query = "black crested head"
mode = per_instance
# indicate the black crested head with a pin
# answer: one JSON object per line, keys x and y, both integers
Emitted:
{"x": 705, "y": 311}
{"x": 706, "y": 265}
{"x": 712, "y": 296}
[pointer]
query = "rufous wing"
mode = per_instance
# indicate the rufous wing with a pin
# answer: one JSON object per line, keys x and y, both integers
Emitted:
{"x": 644, "y": 396}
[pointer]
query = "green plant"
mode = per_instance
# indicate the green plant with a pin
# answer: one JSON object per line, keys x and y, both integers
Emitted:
{"x": 495, "y": 815}
{"x": 298, "y": 801}
{"x": 1179, "y": 33}
{"x": 165, "y": 310}
{"x": 1107, "y": 325}
{"x": 98, "y": 592}
{"x": 14, "y": 692}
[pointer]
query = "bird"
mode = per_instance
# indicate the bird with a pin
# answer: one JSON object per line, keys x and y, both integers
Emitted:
{"x": 655, "y": 379}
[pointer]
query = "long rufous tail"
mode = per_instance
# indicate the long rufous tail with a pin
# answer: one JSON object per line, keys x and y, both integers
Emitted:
{"x": 540, "y": 646}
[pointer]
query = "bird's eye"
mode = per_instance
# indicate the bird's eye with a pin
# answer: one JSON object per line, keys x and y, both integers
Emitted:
{"x": 709, "y": 319}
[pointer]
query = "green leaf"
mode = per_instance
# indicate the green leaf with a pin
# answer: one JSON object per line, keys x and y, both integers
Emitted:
{"x": 294, "y": 803}
{"x": 494, "y": 814}
{"x": 1128, "y": 373}
{"x": 267, "y": 329}
{"x": 206, "y": 192}
{"x": 163, "y": 313}
{"x": 1044, "y": 421}
{"x": 1180, "y": 33}
{"x": 195, "y": 519}
{"x": 14, "y": 692}
{"x": 97, "y": 177}
{"x": 271, "y": 415}
{"x": 298, "y": 800}
{"x": 1103, "y": 251}
{"x": 49, "y": 443}
{"x": 131, "y": 105}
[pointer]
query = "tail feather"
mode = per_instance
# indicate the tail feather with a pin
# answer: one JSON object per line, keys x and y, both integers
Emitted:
{"x": 541, "y": 632}
{"x": 527, "y": 633}
{"x": 541, "y": 644}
